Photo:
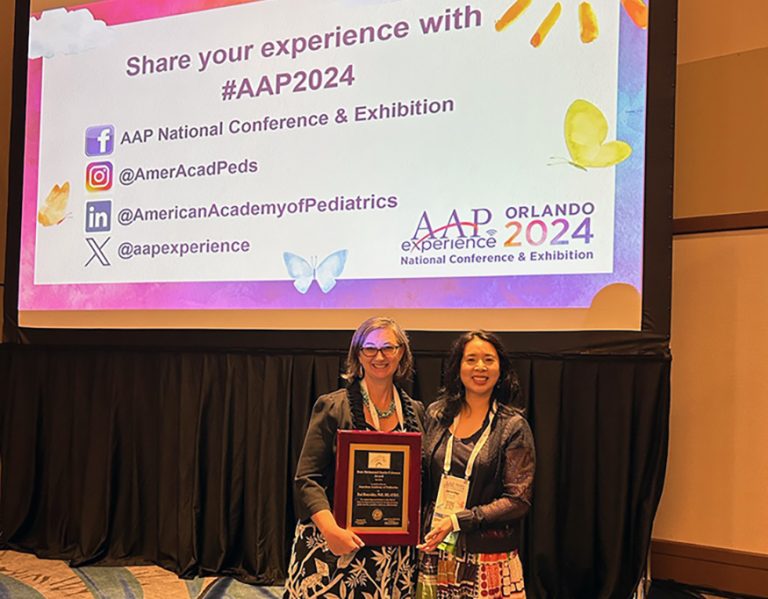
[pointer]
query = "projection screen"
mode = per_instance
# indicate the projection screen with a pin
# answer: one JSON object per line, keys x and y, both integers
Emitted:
{"x": 302, "y": 164}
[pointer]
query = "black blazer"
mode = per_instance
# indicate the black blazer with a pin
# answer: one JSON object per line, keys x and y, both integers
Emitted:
{"x": 316, "y": 470}
{"x": 501, "y": 487}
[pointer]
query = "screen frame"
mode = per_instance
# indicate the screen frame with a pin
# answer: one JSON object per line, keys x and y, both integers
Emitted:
{"x": 657, "y": 240}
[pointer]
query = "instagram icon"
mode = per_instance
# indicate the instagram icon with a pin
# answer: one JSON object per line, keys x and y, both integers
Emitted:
{"x": 98, "y": 176}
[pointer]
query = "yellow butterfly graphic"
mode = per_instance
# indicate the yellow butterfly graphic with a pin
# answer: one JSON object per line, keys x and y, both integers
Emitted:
{"x": 54, "y": 210}
{"x": 585, "y": 131}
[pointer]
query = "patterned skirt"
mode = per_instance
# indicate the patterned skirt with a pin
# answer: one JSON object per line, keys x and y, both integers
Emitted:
{"x": 369, "y": 572}
{"x": 486, "y": 575}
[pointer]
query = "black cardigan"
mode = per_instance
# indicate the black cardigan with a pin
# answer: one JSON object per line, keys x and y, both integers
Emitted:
{"x": 316, "y": 470}
{"x": 501, "y": 486}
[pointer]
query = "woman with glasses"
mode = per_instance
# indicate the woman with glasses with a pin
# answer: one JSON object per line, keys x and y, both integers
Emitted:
{"x": 478, "y": 477}
{"x": 327, "y": 560}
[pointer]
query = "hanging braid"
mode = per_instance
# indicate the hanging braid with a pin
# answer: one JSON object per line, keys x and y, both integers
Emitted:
{"x": 409, "y": 416}
{"x": 356, "y": 405}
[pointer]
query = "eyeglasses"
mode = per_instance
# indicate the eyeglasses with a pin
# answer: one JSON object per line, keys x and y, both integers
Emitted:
{"x": 388, "y": 351}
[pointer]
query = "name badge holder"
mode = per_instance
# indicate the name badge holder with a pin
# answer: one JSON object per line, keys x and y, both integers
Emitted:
{"x": 453, "y": 491}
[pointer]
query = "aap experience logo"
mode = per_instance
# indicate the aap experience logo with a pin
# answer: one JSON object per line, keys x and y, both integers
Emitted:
{"x": 452, "y": 232}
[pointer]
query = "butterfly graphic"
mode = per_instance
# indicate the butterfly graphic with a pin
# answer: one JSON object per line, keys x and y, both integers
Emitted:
{"x": 585, "y": 131}
{"x": 53, "y": 211}
{"x": 303, "y": 272}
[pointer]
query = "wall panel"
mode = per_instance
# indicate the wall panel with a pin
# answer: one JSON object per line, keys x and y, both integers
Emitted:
{"x": 710, "y": 28}
{"x": 721, "y": 157}
{"x": 715, "y": 491}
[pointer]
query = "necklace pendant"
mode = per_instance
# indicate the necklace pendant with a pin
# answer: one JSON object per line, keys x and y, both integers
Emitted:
{"x": 372, "y": 406}
{"x": 388, "y": 412}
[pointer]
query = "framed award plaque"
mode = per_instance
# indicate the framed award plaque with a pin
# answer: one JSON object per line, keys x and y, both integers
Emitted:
{"x": 378, "y": 486}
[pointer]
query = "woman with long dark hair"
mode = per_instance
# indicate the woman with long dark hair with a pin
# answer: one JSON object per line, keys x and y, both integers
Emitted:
{"x": 328, "y": 560}
{"x": 478, "y": 480}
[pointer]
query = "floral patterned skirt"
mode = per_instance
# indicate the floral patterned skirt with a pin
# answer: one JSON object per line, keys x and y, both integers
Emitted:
{"x": 486, "y": 575}
{"x": 368, "y": 573}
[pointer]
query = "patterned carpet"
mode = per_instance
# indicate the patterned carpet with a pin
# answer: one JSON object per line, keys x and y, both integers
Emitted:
{"x": 24, "y": 576}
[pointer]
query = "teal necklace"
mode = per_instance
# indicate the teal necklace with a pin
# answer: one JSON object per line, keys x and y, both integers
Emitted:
{"x": 372, "y": 406}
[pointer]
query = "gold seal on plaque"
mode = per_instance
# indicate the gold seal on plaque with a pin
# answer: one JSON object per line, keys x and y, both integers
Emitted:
{"x": 377, "y": 514}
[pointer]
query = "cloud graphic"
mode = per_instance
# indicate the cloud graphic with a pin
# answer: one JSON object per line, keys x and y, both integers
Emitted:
{"x": 59, "y": 32}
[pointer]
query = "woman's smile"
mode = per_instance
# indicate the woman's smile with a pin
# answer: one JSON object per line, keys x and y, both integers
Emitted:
{"x": 479, "y": 367}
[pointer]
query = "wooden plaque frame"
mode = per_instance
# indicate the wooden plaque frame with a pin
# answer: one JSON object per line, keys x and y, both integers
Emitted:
{"x": 349, "y": 443}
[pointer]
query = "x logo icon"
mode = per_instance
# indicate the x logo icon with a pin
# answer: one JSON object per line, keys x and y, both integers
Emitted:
{"x": 97, "y": 251}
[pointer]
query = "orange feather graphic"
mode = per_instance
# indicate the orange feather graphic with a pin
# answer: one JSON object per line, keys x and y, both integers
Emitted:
{"x": 589, "y": 29}
{"x": 547, "y": 24}
{"x": 512, "y": 13}
{"x": 637, "y": 11}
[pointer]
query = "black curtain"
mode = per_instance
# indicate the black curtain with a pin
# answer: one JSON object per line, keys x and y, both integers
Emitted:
{"x": 184, "y": 458}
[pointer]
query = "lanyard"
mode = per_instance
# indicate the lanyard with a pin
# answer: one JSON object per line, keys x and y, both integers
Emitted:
{"x": 475, "y": 450}
{"x": 372, "y": 408}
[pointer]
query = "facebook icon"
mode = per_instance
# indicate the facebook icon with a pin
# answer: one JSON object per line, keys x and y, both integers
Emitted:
{"x": 99, "y": 140}
{"x": 98, "y": 216}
